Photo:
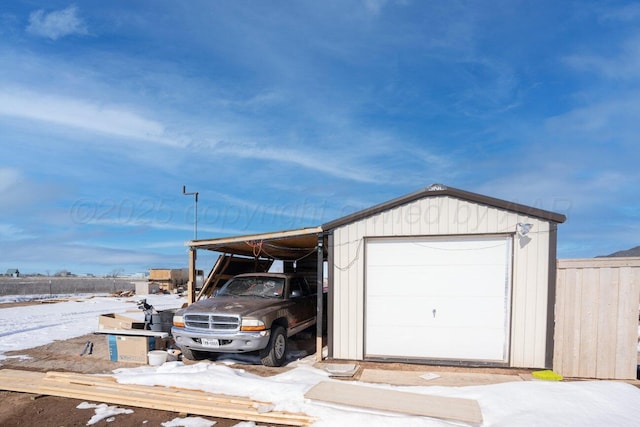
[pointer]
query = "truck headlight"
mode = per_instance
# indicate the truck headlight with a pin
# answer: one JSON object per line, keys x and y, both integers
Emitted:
{"x": 178, "y": 321}
{"x": 252, "y": 325}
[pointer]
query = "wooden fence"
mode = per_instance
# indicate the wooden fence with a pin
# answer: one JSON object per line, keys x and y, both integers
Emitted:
{"x": 597, "y": 308}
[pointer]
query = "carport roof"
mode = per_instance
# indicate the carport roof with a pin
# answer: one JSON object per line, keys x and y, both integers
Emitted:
{"x": 284, "y": 245}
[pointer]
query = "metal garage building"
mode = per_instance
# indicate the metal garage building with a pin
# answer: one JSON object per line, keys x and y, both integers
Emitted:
{"x": 441, "y": 275}
{"x": 444, "y": 275}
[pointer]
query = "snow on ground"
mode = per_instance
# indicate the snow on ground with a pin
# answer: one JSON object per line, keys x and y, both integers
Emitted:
{"x": 526, "y": 403}
{"x": 32, "y": 326}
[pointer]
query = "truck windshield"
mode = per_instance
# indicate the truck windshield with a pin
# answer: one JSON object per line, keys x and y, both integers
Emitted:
{"x": 261, "y": 287}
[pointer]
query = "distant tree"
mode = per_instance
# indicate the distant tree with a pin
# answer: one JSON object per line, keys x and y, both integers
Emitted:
{"x": 115, "y": 272}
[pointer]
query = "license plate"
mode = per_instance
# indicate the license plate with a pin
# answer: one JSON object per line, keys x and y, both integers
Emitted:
{"x": 210, "y": 342}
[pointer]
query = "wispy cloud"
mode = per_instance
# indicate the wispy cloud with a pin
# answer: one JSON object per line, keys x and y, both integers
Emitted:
{"x": 91, "y": 255}
{"x": 79, "y": 113}
{"x": 624, "y": 13}
{"x": 600, "y": 120}
{"x": 20, "y": 191}
{"x": 621, "y": 62}
{"x": 11, "y": 232}
{"x": 8, "y": 178}
{"x": 56, "y": 24}
{"x": 375, "y": 6}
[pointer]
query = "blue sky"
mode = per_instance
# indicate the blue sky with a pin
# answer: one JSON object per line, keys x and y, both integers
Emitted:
{"x": 286, "y": 114}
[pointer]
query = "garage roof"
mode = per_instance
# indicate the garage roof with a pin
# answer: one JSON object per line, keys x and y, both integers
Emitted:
{"x": 436, "y": 190}
{"x": 284, "y": 245}
{"x": 296, "y": 244}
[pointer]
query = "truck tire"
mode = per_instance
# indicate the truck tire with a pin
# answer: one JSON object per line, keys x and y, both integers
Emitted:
{"x": 275, "y": 353}
{"x": 187, "y": 353}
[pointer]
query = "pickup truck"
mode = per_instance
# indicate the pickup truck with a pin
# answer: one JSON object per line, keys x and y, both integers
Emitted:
{"x": 251, "y": 312}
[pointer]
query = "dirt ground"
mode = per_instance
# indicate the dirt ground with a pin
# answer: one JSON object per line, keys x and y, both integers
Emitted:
{"x": 21, "y": 409}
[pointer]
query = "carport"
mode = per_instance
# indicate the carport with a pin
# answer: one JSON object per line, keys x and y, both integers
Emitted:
{"x": 301, "y": 250}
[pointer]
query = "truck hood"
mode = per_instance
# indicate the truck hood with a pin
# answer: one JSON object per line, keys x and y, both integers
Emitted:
{"x": 234, "y": 305}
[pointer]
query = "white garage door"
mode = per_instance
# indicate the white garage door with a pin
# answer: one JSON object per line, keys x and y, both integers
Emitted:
{"x": 438, "y": 298}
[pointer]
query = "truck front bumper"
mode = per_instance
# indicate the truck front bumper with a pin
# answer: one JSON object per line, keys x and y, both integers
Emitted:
{"x": 239, "y": 342}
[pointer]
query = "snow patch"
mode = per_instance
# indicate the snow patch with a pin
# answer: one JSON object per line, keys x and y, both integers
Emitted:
{"x": 103, "y": 412}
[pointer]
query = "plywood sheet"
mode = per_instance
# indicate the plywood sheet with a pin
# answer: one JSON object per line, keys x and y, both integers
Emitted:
{"x": 423, "y": 378}
{"x": 447, "y": 408}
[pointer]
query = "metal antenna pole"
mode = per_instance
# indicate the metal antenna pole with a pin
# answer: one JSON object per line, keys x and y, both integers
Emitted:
{"x": 195, "y": 214}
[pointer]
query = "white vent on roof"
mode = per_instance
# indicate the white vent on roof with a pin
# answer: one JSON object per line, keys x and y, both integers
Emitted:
{"x": 436, "y": 187}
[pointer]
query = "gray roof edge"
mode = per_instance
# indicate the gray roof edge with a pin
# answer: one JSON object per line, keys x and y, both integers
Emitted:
{"x": 442, "y": 190}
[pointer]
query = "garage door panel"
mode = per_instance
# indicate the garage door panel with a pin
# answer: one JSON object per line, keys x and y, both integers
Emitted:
{"x": 437, "y": 252}
{"x": 467, "y": 312}
{"x": 397, "y": 311}
{"x": 441, "y": 343}
{"x": 438, "y": 299}
{"x": 442, "y": 280}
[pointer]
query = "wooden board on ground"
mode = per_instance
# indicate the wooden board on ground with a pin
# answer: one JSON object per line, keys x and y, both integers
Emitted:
{"x": 21, "y": 381}
{"x": 106, "y": 389}
{"x": 447, "y": 408}
{"x": 418, "y": 378}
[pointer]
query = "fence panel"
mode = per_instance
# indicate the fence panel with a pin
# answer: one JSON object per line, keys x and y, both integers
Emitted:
{"x": 597, "y": 307}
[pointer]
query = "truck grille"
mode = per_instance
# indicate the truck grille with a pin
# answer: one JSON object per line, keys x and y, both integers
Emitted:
{"x": 212, "y": 322}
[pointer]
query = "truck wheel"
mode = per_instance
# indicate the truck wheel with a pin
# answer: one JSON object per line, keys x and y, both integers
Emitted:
{"x": 275, "y": 353}
{"x": 187, "y": 353}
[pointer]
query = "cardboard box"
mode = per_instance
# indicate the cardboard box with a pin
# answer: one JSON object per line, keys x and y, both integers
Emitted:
{"x": 131, "y": 348}
{"x": 118, "y": 321}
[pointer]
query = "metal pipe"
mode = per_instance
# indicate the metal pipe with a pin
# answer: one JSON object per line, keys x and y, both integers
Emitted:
{"x": 195, "y": 213}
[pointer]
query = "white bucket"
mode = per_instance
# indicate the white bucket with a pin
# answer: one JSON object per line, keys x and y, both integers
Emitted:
{"x": 157, "y": 357}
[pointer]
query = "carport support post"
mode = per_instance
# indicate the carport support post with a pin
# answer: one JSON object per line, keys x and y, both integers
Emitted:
{"x": 191, "y": 284}
{"x": 320, "y": 308}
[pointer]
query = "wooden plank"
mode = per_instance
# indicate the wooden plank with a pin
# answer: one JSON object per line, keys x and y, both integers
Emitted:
{"x": 105, "y": 389}
{"x": 607, "y": 324}
{"x": 19, "y": 374}
{"x": 627, "y": 325}
{"x": 423, "y": 378}
{"x": 175, "y": 404}
{"x": 94, "y": 380}
{"x": 572, "y": 344}
{"x": 184, "y": 398}
{"x": 558, "y": 338}
{"x": 180, "y": 407}
{"x": 20, "y": 381}
{"x": 588, "y": 330}
{"x": 447, "y": 408}
{"x": 572, "y": 339}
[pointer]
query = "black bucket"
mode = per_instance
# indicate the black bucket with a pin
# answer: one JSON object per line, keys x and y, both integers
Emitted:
{"x": 162, "y": 321}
